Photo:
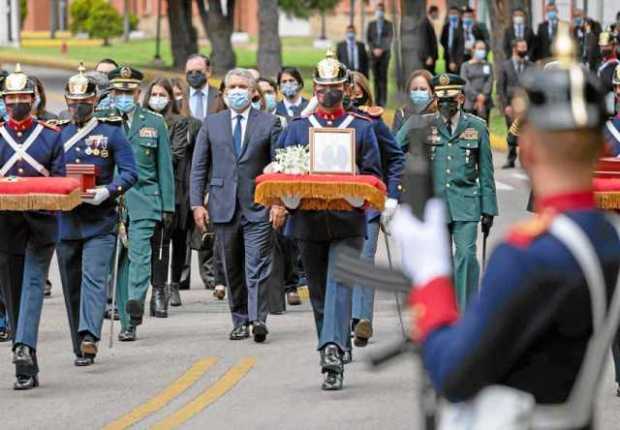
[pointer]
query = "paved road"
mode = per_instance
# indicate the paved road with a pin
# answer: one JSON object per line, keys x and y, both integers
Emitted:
{"x": 185, "y": 373}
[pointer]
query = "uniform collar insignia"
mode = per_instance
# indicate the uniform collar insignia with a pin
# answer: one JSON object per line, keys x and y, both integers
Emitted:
{"x": 330, "y": 116}
{"x": 20, "y": 125}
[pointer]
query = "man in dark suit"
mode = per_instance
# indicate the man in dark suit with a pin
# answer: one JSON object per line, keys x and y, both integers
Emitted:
{"x": 429, "y": 52}
{"x": 452, "y": 41}
{"x": 519, "y": 29}
{"x": 547, "y": 30}
{"x": 472, "y": 31}
{"x": 352, "y": 53}
{"x": 380, "y": 33}
{"x": 509, "y": 80}
{"x": 232, "y": 149}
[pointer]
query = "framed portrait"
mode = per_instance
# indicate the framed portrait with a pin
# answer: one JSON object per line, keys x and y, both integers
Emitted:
{"x": 332, "y": 151}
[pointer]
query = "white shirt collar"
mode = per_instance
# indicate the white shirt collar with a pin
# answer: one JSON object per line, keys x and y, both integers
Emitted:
{"x": 288, "y": 104}
{"x": 245, "y": 114}
{"x": 204, "y": 90}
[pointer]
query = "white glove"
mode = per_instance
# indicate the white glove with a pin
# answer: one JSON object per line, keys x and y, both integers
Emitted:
{"x": 388, "y": 212}
{"x": 356, "y": 202}
{"x": 99, "y": 195}
{"x": 291, "y": 201}
{"x": 310, "y": 108}
{"x": 424, "y": 245}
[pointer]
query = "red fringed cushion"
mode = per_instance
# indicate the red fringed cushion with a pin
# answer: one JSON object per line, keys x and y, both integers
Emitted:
{"x": 40, "y": 193}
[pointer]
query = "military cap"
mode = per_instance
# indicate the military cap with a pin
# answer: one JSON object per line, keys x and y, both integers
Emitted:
{"x": 563, "y": 97}
{"x": 80, "y": 86}
{"x": 125, "y": 78}
{"x": 616, "y": 79}
{"x": 330, "y": 71}
{"x": 447, "y": 85}
{"x": 17, "y": 83}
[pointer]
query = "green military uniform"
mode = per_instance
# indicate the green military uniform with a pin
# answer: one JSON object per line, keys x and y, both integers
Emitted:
{"x": 463, "y": 175}
{"x": 146, "y": 203}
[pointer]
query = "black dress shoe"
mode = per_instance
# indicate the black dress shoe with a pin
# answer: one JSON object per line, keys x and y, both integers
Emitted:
{"x": 26, "y": 383}
{"x": 86, "y": 360}
{"x": 240, "y": 332}
{"x": 5, "y": 335}
{"x": 617, "y": 390}
{"x": 89, "y": 345}
{"x": 128, "y": 335}
{"x": 332, "y": 381}
{"x": 259, "y": 330}
{"x": 159, "y": 302}
{"x": 509, "y": 165}
{"x": 175, "y": 296}
{"x": 22, "y": 356}
{"x": 135, "y": 309}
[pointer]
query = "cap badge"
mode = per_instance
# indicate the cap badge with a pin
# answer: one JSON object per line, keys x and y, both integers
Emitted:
{"x": 444, "y": 79}
{"x": 125, "y": 72}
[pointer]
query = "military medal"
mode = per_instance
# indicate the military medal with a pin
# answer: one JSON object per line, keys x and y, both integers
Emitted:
{"x": 88, "y": 151}
{"x": 96, "y": 152}
{"x": 104, "y": 153}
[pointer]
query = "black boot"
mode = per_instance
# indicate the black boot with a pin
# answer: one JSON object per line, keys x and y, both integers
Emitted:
{"x": 26, "y": 383}
{"x": 175, "y": 297}
{"x": 511, "y": 158}
{"x": 159, "y": 302}
{"x": 333, "y": 367}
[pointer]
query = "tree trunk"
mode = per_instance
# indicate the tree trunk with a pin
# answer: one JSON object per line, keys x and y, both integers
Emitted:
{"x": 323, "y": 26}
{"x": 411, "y": 38}
{"x": 269, "y": 44}
{"x": 126, "y": 28}
{"x": 219, "y": 29}
{"x": 352, "y": 12}
{"x": 183, "y": 37}
{"x": 501, "y": 18}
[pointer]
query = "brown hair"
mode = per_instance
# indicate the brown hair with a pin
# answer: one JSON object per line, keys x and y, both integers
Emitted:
{"x": 166, "y": 85}
{"x": 428, "y": 77}
{"x": 361, "y": 80}
{"x": 40, "y": 90}
{"x": 180, "y": 84}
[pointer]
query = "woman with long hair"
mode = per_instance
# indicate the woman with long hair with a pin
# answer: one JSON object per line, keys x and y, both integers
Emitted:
{"x": 417, "y": 84}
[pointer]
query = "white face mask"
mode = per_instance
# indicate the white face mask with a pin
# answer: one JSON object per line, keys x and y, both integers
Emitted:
{"x": 158, "y": 103}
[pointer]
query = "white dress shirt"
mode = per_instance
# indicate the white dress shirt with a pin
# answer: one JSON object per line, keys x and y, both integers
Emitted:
{"x": 193, "y": 100}
{"x": 288, "y": 105}
{"x": 244, "y": 123}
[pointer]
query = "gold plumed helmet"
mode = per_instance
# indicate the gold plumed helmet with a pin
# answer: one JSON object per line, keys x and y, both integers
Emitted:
{"x": 17, "y": 83}
{"x": 330, "y": 71}
{"x": 80, "y": 86}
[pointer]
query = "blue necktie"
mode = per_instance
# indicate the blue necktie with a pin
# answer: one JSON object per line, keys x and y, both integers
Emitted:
{"x": 237, "y": 135}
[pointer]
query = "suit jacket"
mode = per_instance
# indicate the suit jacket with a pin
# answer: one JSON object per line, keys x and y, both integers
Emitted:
{"x": 232, "y": 178}
{"x": 17, "y": 229}
{"x": 508, "y": 80}
{"x": 212, "y": 98}
{"x": 543, "y": 41}
{"x": 342, "y": 52}
{"x": 455, "y": 54}
{"x": 382, "y": 42}
{"x": 528, "y": 36}
{"x": 429, "y": 48}
{"x": 282, "y": 111}
{"x": 479, "y": 32}
{"x": 153, "y": 194}
{"x": 116, "y": 170}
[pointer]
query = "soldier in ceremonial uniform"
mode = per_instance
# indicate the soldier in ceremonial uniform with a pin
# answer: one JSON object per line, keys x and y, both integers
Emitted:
{"x": 612, "y": 127}
{"x": 87, "y": 233}
{"x": 320, "y": 234}
{"x": 27, "y": 148}
{"x": 149, "y": 202}
{"x": 463, "y": 175}
{"x": 533, "y": 320}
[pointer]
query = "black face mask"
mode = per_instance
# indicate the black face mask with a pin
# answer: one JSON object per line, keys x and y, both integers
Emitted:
{"x": 360, "y": 101}
{"x": 81, "y": 112}
{"x": 331, "y": 98}
{"x": 521, "y": 54}
{"x": 448, "y": 108}
{"x": 19, "y": 111}
{"x": 196, "y": 80}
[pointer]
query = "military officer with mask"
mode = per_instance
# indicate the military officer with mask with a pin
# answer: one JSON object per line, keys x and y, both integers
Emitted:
{"x": 87, "y": 233}
{"x": 28, "y": 148}
{"x": 321, "y": 234}
{"x": 149, "y": 202}
{"x": 463, "y": 175}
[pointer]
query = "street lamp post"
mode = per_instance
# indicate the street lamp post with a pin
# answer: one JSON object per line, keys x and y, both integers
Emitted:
{"x": 157, "y": 60}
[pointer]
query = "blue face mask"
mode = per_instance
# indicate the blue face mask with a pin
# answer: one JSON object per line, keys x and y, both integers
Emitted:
{"x": 467, "y": 22}
{"x": 480, "y": 54}
{"x": 290, "y": 89}
{"x": 238, "y": 99}
{"x": 578, "y": 22}
{"x": 419, "y": 97}
{"x": 105, "y": 103}
{"x": 453, "y": 19}
{"x": 256, "y": 105}
{"x": 124, "y": 103}
{"x": 270, "y": 102}
{"x": 552, "y": 15}
{"x": 350, "y": 36}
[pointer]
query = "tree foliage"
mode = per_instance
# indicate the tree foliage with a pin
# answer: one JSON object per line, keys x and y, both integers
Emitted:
{"x": 104, "y": 22}
{"x": 306, "y": 8}
{"x": 79, "y": 12}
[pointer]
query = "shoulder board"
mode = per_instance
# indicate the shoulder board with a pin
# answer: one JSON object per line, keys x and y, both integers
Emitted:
{"x": 472, "y": 116}
{"x": 116, "y": 120}
{"x": 524, "y": 233}
{"x": 49, "y": 125}
{"x": 56, "y": 122}
{"x": 153, "y": 113}
{"x": 359, "y": 115}
{"x": 373, "y": 111}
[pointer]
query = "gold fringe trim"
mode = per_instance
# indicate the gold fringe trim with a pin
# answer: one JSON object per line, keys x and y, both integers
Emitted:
{"x": 319, "y": 195}
{"x": 40, "y": 202}
{"x": 608, "y": 199}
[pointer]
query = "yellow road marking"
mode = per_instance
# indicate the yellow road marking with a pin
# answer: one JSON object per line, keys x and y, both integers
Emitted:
{"x": 210, "y": 395}
{"x": 166, "y": 396}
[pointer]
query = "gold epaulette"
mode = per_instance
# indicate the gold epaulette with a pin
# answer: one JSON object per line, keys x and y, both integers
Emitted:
{"x": 114, "y": 119}
{"x": 373, "y": 111}
{"x": 515, "y": 127}
{"x": 54, "y": 123}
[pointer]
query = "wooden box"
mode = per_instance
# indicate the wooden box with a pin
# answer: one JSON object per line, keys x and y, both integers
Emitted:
{"x": 85, "y": 173}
